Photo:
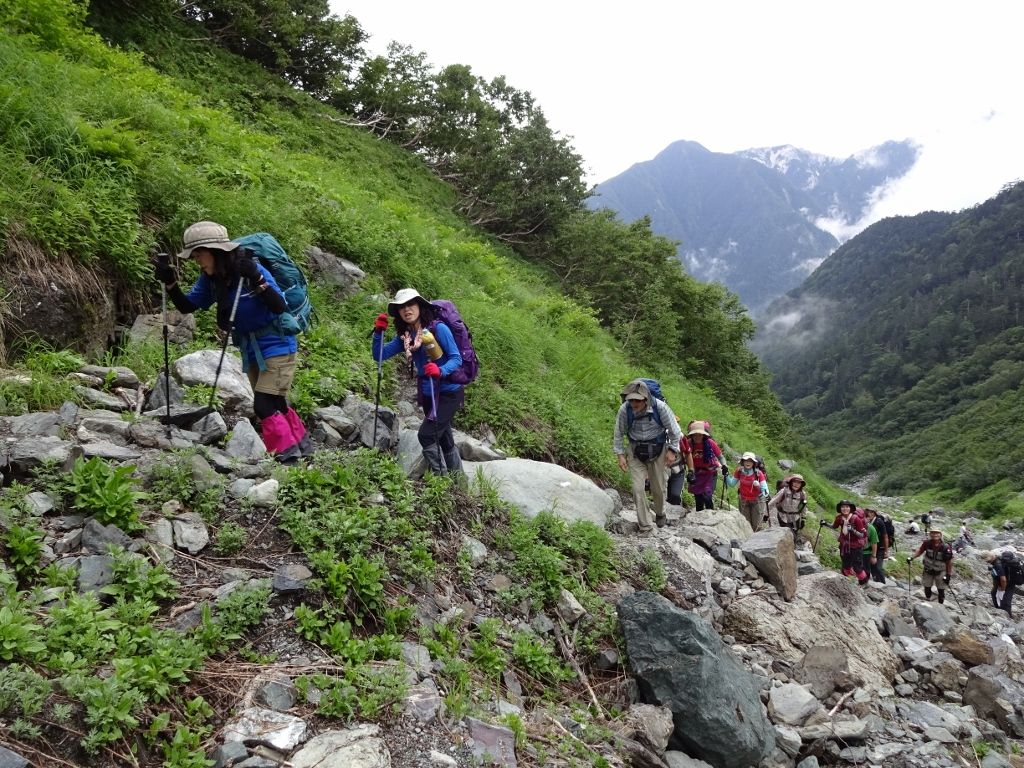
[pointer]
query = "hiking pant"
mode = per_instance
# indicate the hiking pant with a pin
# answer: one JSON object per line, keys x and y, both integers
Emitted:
{"x": 435, "y": 434}
{"x": 1005, "y": 603}
{"x": 853, "y": 565}
{"x": 653, "y": 471}
{"x": 754, "y": 512}
{"x": 929, "y": 580}
{"x": 794, "y": 525}
{"x": 876, "y": 569}
{"x": 675, "y": 487}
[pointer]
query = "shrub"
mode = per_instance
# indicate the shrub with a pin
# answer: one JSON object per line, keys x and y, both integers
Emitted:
{"x": 107, "y": 493}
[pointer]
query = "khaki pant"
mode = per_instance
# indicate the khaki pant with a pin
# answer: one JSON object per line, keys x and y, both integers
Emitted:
{"x": 929, "y": 579}
{"x": 655, "y": 472}
{"x": 754, "y": 512}
{"x": 278, "y": 377}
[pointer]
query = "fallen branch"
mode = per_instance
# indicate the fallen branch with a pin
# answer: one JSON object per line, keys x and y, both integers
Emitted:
{"x": 839, "y": 703}
{"x": 579, "y": 670}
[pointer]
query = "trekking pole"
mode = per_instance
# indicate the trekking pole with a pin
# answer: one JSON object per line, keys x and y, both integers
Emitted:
{"x": 167, "y": 355}
{"x": 910, "y": 575}
{"x": 814, "y": 549}
{"x": 224, "y": 347}
{"x": 433, "y": 399}
{"x": 949, "y": 588}
{"x": 376, "y": 398}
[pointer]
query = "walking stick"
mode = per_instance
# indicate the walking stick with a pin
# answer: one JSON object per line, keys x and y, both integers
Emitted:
{"x": 814, "y": 549}
{"x": 224, "y": 348}
{"x": 376, "y": 398}
{"x": 952, "y": 594}
{"x": 910, "y": 574}
{"x": 721, "y": 501}
{"x": 167, "y": 355}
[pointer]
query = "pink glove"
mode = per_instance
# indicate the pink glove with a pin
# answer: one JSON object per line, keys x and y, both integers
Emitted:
{"x": 381, "y": 323}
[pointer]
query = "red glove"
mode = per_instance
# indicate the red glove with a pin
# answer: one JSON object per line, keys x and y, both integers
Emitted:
{"x": 381, "y": 323}
{"x": 431, "y": 370}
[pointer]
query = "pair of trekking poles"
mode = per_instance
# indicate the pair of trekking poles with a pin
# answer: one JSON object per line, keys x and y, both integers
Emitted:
{"x": 193, "y": 416}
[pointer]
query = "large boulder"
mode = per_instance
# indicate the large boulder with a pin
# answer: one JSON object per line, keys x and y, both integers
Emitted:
{"x": 681, "y": 663}
{"x": 771, "y": 552}
{"x": 997, "y": 698}
{"x": 534, "y": 486}
{"x": 711, "y": 527}
{"x": 335, "y": 272}
{"x": 233, "y": 386}
{"x": 828, "y": 610}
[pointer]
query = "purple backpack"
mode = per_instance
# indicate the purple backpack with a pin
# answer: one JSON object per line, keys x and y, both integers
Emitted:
{"x": 445, "y": 312}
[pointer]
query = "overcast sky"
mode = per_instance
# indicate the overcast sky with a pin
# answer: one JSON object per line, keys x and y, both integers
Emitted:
{"x": 624, "y": 80}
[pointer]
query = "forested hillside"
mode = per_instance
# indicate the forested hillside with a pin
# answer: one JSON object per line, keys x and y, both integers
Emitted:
{"x": 107, "y": 159}
{"x": 905, "y": 353}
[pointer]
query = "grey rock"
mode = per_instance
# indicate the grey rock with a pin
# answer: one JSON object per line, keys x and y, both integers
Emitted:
{"x": 607, "y": 660}
{"x": 203, "y": 475}
{"x": 39, "y": 503}
{"x": 823, "y": 667}
{"x": 157, "y": 398}
{"x": 476, "y": 548}
{"x": 98, "y": 538}
{"x": 107, "y": 450}
{"x": 263, "y": 495}
{"x": 472, "y": 449}
{"x": 850, "y": 729}
{"x": 11, "y": 759}
{"x": 182, "y": 414}
{"x": 676, "y": 759}
{"x": 211, "y": 428}
{"x": 190, "y": 532}
{"x": 245, "y": 442}
{"x": 150, "y": 434}
{"x": 771, "y": 552}
{"x": 68, "y": 543}
{"x": 290, "y": 578}
{"x": 95, "y": 572}
{"x": 240, "y": 487}
{"x": 43, "y": 424}
{"x": 928, "y": 715}
{"x": 894, "y": 626}
{"x": 791, "y": 704}
{"x": 114, "y": 430}
{"x": 94, "y": 397}
{"x": 67, "y": 414}
{"x": 417, "y": 657}
{"x": 68, "y": 522}
{"x": 995, "y": 760}
{"x": 653, "y": 724}
{"x": 118, "y": 376}
{"x": 808, "y": 762}
{"x": 710, "y": 527}
{"x": 233, "y": 386}
{"x": 692, "y": 555}
{"x": 409, "y": 454}
{"x": 338, "y": 273}
{"x": 493, "y": 744}
{"x": 180, "y": 328}
{"x": 680, "y": 662}
{"x": 257, "y": 725}
{"x": 359, "y": 746}
{"x": 26, "y": 454}
{"x": 569, "y": 608}
{"x": 278, "y": 695}
{"x": 326, "y": 435}
{"x": 338, "y": 420}
{"x": 441, "y": 760}
{"x": 938, "y": 733}
{"x": 807, "y": 568}
{"x": 932, "y": 619}
{"x": 229, "y": 754}
{"x": 423, "y": 701}
{"x": 997, "y": 698}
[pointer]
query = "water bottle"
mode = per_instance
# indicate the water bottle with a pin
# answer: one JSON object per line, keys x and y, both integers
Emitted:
{"x": 430, "y": 345}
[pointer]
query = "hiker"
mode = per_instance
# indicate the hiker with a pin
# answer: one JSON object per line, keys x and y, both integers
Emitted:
{"x": 878, "y": 545}
{"x": 652, "y": 430}
{"x": 926, "y": 521}
{"x": 853, "y": 538}
{"x": 752, "y": 490}
{"x": 1002, "y": 585}
{"x": 435, "y": 356}
{"x": 703, "y": 460}
{"x": 963, "y": 538}
{"x": 937, "y": 563}
{"x": 913, "y": 529}
{"x": 790, "y": 503}
{"x": 268, "y": 355}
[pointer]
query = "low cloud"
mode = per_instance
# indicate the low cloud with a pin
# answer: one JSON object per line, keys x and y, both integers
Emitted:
{"x": 792, "y": 324}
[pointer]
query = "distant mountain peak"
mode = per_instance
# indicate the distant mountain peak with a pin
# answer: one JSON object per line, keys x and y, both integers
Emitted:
{"x": 759, "y": 220}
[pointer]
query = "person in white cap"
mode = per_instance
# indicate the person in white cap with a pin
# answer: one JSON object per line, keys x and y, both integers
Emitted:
{"x": 432, "y": 349}
{"x": 268, "y": 357}
{"x": 653, "y": 434}
{"x": 752, "y": 489}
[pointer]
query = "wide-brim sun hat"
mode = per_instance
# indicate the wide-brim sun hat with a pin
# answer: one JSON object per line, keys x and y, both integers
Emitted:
{"x": 635, "y": 390}
{"x": 697, "y": 428}
{"x": 206, "y": 234}
{"x": 791, "y": 478}
{"x": 934, "y": 529}
{"x": 403, "y": 297}
{"x": 749, "y": 455}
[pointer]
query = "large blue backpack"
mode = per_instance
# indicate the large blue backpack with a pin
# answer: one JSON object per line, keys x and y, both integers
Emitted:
{"x": 289, "y": 278}
{"x": 446, "y": 312}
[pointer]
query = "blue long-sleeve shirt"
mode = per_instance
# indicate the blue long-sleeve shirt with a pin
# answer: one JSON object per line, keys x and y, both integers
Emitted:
{"x": 450, "y": 361}
{"x": 253, "y": 315}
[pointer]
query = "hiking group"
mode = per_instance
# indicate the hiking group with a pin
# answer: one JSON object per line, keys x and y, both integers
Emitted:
{"x": 649, "y": 444}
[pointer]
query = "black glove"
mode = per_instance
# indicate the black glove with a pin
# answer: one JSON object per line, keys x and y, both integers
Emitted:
{"x": 946, "y": 578}
{"x": 163, "y": 271}
{"x": 725, "y": 471}
{"x": 909, "y": 559}
{"x": 248, "y": 269}
{"x": 690, "y": 477}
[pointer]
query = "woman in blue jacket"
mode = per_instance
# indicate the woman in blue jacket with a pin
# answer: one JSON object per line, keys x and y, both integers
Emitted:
{"x": 268, "y": 356}
{"x": 431, "y": 348}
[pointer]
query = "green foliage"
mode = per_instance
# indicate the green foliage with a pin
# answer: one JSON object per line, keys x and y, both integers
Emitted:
{"x": 360, "y": 691}
{"x": 24, "y": 545}
{"x": 175, "y": 478}
{"x": 538, "y": 660}
{"x": 106, "y": 493}
{"x": 134, "y": 578}
{"x": 23, "y": 691}
{"x": 18, "y": 633}
{"x": 230, "y": 539}
{"x": 652, "y": 570}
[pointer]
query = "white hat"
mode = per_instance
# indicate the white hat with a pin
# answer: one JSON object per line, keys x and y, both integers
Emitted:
{"x": 404, "y": 296}
{"x": 749, "y": 455}
{"x": 206, "y": 234}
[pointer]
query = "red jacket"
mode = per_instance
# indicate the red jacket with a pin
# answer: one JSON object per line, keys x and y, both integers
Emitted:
{"x": 853, "y": 532}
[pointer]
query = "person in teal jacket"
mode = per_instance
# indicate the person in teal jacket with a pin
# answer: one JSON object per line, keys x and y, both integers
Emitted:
{"x": 432, "y": 350}
{"x": 268, "y": 357}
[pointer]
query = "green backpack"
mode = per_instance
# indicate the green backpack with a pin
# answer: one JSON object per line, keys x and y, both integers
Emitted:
{"x": 298, "y": 316}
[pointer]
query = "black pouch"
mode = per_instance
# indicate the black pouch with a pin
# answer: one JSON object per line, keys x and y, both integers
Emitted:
{"x": 647, "y": 451}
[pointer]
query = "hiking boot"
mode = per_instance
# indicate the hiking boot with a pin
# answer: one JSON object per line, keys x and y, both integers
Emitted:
{"x": 661, "y": 521}
{"x": 289, "y": 455}
{"x": 306, "y": 446}
{"x": 645, "y": 531}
